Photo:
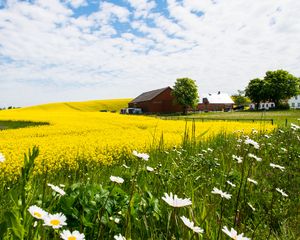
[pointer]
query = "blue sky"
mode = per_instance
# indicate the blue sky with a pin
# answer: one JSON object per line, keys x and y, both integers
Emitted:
{"x": 76, "y": 50}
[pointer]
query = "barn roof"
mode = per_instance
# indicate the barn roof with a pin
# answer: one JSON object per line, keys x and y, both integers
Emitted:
{"x": 146, "y": 96}
{"x": 217, "y": 98}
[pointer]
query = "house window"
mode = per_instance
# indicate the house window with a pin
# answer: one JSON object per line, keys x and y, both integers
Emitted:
{"x": 262, "y": 105}
{"x": 296, "y": 97}
{"x": 298, "y": 104}
{"x": 293, "y": 104}
{"x": 272, "y": 105}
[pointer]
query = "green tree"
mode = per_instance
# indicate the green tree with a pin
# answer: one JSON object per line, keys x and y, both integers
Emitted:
{"x": 280, "y": 85}
{"x": 256, "y": 91}
{"x": 185, "y": 92}
{"x": 240, "y": 99}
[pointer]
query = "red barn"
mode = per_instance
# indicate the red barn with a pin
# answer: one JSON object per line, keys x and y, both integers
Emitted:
{"x": 156, "y": 101}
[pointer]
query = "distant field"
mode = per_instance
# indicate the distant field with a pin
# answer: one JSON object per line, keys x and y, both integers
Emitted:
{"x": 279, "y": 117}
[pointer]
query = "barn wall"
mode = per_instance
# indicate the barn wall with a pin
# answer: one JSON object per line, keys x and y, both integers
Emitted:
{"x": 162, "y": 103}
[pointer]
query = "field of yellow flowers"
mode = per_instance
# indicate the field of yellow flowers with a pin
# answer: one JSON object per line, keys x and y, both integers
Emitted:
{"x": 81, "y": 133}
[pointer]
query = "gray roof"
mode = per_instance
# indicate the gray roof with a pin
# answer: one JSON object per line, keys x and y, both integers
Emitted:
{"x": 146, "y": 96}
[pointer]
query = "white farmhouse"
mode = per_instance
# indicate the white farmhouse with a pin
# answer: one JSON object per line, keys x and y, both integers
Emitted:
{"x": 294, "y": 102}
{"x": 263, "y": 105}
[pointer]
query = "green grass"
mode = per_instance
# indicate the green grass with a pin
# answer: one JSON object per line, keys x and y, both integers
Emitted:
{"x": 4, "y": 125}
{"x": 279, "y": 117}
{"x": 102, "y": 209}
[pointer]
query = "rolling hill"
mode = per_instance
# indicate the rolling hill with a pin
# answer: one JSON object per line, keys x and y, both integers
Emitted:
{"x": 87, "y": 106}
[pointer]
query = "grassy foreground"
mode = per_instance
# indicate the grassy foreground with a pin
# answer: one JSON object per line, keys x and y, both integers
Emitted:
{"x": 249, "y": 182}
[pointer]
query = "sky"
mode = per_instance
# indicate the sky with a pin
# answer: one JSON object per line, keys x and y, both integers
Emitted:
{"x": 77, "y": 50}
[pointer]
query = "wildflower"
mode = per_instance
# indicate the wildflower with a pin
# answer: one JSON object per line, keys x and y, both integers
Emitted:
{"x": 116, "y": 179}
{"x": 2, "y": 158}
{"x": 209, "y": 149}
{"x": 294, "y": 126}
{"x": 57, "y": 189}
{"x": 221, "y": 193}
{"x": 281, "y": 131}
{"x": 267, "y": 136}
{"x": 117, "y": 220}
{"x": 283, "y": 149}
{"x": 175, "y": 201}
{"x": 119, "y": 237}
{"x": 277, "y": 166}
{"x": 125, "y": 166}
{"x": 37, "y": 212}
{"x": 250, "y": 205}
{"x": 237, "y": 158}
{"x": 255, "y": 157}
{"x": 233, "y": 234}
{"x": 143, "y": 156}
{"x": 252, "y": 181}
{"x": 254, "y": 131}
{"x": 149, "y": 169}
{"x": 75, "y": 235}
{"x": 55, "y": 221}
{"x": 282, "y": 192}
{"x": 252, "y": 143}
{"x": 190, "y": 225}
{"x": 231, "y": 184}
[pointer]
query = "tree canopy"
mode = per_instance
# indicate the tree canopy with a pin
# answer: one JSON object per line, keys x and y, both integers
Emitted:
{"x": 240, "y": 99}
{"x": 185, "y": 92}
{"x": 276, "y": 86}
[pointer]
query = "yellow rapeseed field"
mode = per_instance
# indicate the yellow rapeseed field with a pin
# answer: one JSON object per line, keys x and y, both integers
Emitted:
{"x": 83, "y": 134}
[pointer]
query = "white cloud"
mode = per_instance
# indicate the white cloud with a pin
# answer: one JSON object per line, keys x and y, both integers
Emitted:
{"x": 77, "y": 3}
{"x": 45, "y": 48}
{"x": 142, "y": 7}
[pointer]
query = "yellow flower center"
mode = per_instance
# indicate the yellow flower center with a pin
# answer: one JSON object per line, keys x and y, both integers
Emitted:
{"x": 55, "y": 222}
{"x": 37, "y": 214}
{"x": 72, "y": 238}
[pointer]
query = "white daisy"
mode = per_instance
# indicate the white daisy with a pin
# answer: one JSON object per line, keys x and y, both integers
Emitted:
{"x": 143, "y": 156}
{"x": 237, "y": 158}
{"x": 233, "y": 234}
{"x": 294, "y": 126}
{"x": 231, "y": 184}
{"x": 57, "y": 189}
{"x": 252, "y": 181}
{"x": 125, "y": 166}
{"x": 277, "y": 166}
{"x": 250, "y": 205}
{"x": 116, "y": 179}
{"x": 190, "y": 225}
{"x": 221, "y": 193}
{"x": 282, "y": 192}
{"x": 55, "y": 221}
{"x": 75, "y": 235}
{"x": 37, "y": 212}
{"x": 2, "y": 158}
{"x": 174, "y": 201}
{"x": 255, "y": 157}
{"x": 119, "y": 237}
{"x": 252, "y": 143}
{"x": 149, "y": 169}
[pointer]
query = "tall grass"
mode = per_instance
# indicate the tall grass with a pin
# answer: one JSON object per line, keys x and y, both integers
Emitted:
{"x": 102, "y": 209}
